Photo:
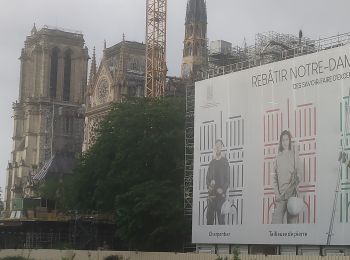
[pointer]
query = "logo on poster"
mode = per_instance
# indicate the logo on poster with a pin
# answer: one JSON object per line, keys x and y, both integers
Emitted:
{"x": 209, "y": 101}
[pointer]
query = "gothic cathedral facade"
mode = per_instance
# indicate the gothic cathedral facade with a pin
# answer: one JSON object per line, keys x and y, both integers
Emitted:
{"x": 48, "y": 114}
{"x": 120, "y": 74}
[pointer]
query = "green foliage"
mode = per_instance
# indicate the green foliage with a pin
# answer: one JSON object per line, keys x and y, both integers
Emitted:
{"x": 135, "y": 170}
{"x": 49, "y": 188}
{"x": 53, "y": 189}
{"x": 236, "y": 255}
{"x": 222, "y": 258}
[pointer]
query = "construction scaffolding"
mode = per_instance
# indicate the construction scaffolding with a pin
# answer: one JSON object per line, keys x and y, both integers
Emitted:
{"x": 80, "y": 231}
{"x": 222, "y": 53}
{"x": 272, "y": 46}
{"x": 269, "y": 47}
{"x": 188, "y": 174}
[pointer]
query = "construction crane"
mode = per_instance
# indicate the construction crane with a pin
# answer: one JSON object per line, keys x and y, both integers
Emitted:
{"x": 156, "y": 69}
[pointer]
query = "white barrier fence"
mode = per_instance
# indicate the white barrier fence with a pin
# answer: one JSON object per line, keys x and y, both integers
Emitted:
{"x": 100, "y": 255}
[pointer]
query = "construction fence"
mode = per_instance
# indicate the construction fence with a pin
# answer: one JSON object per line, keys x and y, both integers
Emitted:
{"x": 100, "y": 255}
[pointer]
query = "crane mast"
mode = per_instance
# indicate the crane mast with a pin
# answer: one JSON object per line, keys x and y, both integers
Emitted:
{"x": 156, "y": 69}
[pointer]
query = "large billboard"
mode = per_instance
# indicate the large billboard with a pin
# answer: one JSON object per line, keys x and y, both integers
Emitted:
{"x": 271, "y": 149}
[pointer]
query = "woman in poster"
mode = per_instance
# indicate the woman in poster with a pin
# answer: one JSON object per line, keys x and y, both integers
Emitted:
{"x": 286, "y": 179}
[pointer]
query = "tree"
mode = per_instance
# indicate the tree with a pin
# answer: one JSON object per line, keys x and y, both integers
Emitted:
{"x": 135, "y": 170}
{"x": 53, "y": 189}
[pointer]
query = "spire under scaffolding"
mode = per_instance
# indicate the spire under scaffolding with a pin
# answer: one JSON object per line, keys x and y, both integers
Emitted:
{"x": 156, "y": 70}
{"x": 195, "y": 52}
{"x": 121, "y": 69}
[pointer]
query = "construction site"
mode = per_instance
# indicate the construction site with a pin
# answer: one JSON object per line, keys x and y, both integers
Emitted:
{"x": 65, "y": 121}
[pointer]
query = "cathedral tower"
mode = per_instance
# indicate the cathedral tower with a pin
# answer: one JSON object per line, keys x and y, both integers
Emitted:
{"x": 195, "y": 52}
{"x": 47, "y": 116}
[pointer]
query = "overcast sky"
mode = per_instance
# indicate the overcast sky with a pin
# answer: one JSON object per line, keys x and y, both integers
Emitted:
{"x": 229, "y": 20}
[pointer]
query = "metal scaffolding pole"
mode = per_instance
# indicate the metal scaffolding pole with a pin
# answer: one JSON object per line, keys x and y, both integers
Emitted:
{"x": 188, "y": 175}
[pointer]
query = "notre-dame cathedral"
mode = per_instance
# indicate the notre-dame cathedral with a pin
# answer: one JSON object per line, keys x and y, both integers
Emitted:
{"x": 60, "y": 103}
{"x": 48, "y": 119}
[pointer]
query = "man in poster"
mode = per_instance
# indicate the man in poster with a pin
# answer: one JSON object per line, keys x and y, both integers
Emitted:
{"x": 217, "y": 184}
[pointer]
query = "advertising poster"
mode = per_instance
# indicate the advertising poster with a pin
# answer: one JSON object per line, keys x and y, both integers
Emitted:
{"x": 271, "y": 148}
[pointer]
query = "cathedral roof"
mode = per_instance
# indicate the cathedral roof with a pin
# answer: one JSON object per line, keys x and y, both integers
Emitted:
{"x": 196, "y": 11}
{"x": 132, "y": 46}
{"x": 55, "y": 34}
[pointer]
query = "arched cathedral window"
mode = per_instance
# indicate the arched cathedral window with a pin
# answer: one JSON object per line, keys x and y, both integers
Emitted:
{"x": 191, "y": 30}
{"x": 53, "y": 72}
{"x": 195, "y": 49}
{"x": 188, "y": 49}
{"x": 67, "y": 74}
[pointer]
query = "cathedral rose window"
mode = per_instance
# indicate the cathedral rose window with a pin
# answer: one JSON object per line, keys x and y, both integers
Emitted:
{"x": 102, "y": 91}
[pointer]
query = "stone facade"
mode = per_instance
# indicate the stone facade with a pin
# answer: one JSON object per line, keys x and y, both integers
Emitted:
{"x": 121, "y": 73}
{"x": 47, "y": 115}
